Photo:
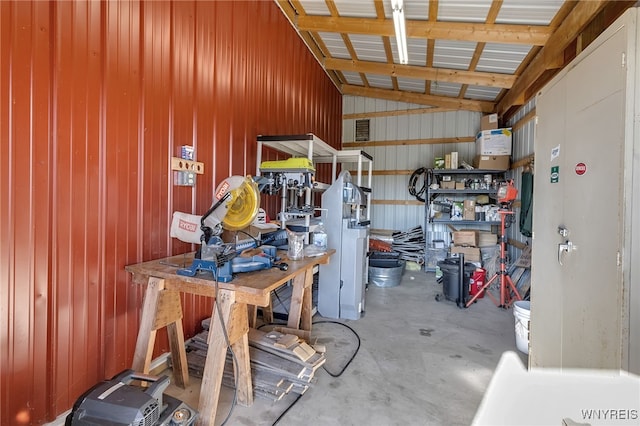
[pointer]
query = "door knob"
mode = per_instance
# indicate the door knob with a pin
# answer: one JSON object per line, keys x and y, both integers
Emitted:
{"x": 566, "y": 247}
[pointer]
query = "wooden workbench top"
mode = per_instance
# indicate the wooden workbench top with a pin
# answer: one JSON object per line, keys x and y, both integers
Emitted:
{"x": 250, "y": 287}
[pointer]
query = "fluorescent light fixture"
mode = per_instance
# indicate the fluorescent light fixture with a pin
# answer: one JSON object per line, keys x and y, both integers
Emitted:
{"x": 401, "y": 31}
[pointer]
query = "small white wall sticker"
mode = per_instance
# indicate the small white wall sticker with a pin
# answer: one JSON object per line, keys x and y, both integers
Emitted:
{"x": 555, "y": 152}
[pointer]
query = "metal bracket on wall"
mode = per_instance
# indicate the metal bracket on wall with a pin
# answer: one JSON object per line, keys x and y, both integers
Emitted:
{"x": 186, "y": 168}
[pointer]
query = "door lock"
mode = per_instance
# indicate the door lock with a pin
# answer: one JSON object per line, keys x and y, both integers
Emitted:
{"x": 566, "y": 247}
{"x": 564, "y": 232}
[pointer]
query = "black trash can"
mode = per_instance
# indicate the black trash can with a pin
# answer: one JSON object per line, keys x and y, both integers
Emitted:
{"x": 451, "y": 278}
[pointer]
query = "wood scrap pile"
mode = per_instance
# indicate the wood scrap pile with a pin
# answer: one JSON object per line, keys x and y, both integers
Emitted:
{"x": 280, "y": 363}
{"x": 410, "y": 244}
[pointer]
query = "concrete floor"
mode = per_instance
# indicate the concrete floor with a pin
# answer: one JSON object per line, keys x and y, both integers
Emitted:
{"x": 421, "y": 362}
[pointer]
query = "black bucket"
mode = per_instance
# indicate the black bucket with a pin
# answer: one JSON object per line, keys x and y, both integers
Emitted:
{"x": 451, "y": 278}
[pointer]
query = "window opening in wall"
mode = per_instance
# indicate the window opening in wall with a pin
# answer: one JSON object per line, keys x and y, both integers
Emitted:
{"x": 362, "y": 130}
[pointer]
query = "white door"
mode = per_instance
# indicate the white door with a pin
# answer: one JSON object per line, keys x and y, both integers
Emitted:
{"x": 576, "y": 296}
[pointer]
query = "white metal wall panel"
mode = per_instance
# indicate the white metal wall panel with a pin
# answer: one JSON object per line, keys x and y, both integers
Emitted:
{"x": 411, "y": 157}
{"x": 406, "y": 157}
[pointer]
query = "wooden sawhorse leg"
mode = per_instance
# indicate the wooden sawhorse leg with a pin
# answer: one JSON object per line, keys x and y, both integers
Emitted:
{"x": 235, "y": 319}
{"x": 161, "y": 308}
{"x": 300, "y": 310}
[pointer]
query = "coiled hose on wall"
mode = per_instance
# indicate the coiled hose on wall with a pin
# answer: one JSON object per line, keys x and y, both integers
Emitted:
{"x": 413, "y": 181}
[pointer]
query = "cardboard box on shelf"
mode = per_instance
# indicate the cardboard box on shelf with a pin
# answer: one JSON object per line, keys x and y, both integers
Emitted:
{"x": 439, "y": 244}
{"x": 486, "y": 238}
{"x": 459, "y": 185}
{"x": 494, "y": 142}
{"x": 471, "y": 254}
{"x": 465, "y": 238}
{"x": 447, "y": 161}
{"x": 447, "y": 184}
{"x": 492, "y": 162}
{"x": 454, "y": 160}
{"x": 489, "y": 122}
{"x": 469, "y": 210}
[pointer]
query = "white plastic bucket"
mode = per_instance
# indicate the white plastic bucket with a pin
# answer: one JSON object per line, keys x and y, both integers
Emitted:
{"x": 522, "y": 314}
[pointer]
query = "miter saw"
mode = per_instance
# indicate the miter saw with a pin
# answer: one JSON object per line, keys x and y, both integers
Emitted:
{"x": 236, "y": 204}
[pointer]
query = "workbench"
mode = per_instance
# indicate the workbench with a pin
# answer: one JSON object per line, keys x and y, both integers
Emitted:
{"x": 236, "y": 306}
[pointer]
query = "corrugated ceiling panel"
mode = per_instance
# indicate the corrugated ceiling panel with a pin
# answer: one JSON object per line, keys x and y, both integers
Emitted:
{"x": 411, "y": 84}
{"x": 482, "y": 92}
{"x": 352, "y": 78}
{"x": 463, "y": 10}
{"x": 446, "y": 89}
{"x": 502, "y": 58}
{"x": 95, "y": 97}
{"x": 416, "y": 51}
{"x": 335, "y": 44}
{"x": 527, "y": 12}
{"x": 379, "y": 81}
{"x": 368, "y": 48}
{"x": 413, "y": 9}
{"x": 315, "y": 7}
{"x": 453, "y": 54}
{"x": 356, "y": 9}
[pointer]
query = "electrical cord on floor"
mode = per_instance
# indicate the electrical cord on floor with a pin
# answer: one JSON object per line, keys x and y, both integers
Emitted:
{"x": 281, "y": 304}
{"x": 325, "y": 369}
{"x": 354, "y": 353}
{"x": 233, "y": 355}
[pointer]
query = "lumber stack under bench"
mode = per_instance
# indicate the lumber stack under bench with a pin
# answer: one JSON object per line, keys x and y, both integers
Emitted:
{"x": 280, "y": 362}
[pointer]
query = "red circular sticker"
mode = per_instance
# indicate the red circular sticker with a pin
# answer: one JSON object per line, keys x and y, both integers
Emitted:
{"x": 581, "y": 169}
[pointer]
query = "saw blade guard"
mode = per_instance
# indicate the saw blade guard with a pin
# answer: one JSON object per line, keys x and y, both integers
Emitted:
{"x": 242, "y": 207}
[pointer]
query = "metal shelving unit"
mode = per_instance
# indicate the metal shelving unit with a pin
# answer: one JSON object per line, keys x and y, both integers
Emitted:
{"x": 439, "y": 228}
{"x": 318, "y": 151}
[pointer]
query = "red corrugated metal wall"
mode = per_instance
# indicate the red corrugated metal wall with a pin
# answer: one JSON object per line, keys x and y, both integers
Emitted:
{"x": 95, "y": 98}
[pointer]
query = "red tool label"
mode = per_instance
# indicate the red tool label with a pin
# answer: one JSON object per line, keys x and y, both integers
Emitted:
{"x": 222, "y": 190}
{"x": 581, "y": 169}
